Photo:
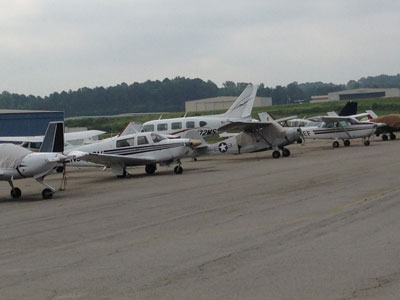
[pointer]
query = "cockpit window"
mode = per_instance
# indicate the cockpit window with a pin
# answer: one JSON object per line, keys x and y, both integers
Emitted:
{"x": 142, "y": 140}
{"x": 148, "y": 128}
{"x": 202, "y": 123}
{"x": 157, "y": 138}
{"x": 162, "y": 127}
{"x": 125, "y": 142}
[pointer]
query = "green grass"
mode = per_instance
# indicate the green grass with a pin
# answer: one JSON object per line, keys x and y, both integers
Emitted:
{"x": 113, "y": 125}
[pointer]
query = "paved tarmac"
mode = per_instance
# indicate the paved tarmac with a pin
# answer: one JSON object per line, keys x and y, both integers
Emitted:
{"x": 321, "y": 224}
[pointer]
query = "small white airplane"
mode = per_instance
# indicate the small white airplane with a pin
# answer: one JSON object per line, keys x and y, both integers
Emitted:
{"x": 135, "y": 149}
{"x": 207, "y": 125}
{"x": 340, "y": 128}
{"x": 254, "y": 136}
{"x": 70, "y": 138}
{"x": 17, "y": 162}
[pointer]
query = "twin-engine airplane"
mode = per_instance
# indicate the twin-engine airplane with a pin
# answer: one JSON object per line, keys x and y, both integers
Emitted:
{"x": 137, "y": 149}
{"x": 17, "y": 162}
{"x": 340, "y": 128}
{"x": 253, "y": 137}
{"x": 207, "y": 125}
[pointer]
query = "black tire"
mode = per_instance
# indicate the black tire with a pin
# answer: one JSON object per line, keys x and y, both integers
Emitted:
{"x": 335, "y": 144}
{"x": 385, "y": 137}
{"x": 366, "y": 143}
{"x": 346, "y": 143}
{"x": 60, "y": 169}
{"x": 276, "y": 154}
{"x": 47, "y": 194}
{"x": 150, "y": 169}
{"x": 299, "y": 141}
{"x": 392, "y": 136}
{"x": 285, "y": 152}
{"x": 15, "y": 193}
{"x": 178, "y": 170}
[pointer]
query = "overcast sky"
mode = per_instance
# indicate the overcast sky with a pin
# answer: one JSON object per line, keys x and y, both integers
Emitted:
{"x": 54, "y": 45}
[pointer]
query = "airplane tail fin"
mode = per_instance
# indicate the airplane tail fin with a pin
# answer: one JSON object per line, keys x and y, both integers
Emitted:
{"x": 195, "y": 135}
{"x": 371, "y": 114}
{"x": 243, "y": 105}
{"x": 349, "y": 109}
{"x": 53, "y": 140}
{"x": 266, "y": 117}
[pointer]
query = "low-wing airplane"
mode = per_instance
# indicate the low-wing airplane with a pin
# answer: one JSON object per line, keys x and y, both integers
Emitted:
{"x": 253, "y": 137}
{"x": 17, "y": 162}
{"x": 340, "y": 128}
{"x": 137, "y": 149}
{"x": 207, "y": 125}
{"x": 70, "y": 138}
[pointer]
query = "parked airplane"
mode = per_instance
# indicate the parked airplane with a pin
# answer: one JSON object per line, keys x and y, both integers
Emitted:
{"x": 71, "y": 138}
{"x": 392, "y": 124}
{"x": 254, "y": 136}
{"x": 207, "y": 125}
{"x": 136, "y": 149}
{"x": 340, "y": 128}
{"x": 17, "y": 162}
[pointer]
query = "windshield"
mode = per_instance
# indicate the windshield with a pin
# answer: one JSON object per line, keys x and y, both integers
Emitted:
{"x": 157, "y": 138}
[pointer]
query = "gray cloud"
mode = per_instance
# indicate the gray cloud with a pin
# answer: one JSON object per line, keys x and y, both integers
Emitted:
{"x": 51, "y": 46}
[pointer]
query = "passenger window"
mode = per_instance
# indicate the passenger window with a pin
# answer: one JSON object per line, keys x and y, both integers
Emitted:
{"x": 190, "y": 124}
{"x": 202, "y": 123}
{"x": 176, "y": 125}
{"x": 162, "y": 127}
{"x": 125, "y": 142}
{"x": 142, "y": 140}
{"x": 148, "y": 128}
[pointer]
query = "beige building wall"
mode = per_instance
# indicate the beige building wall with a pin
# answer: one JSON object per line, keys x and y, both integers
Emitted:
{"x": 221, "y": 103}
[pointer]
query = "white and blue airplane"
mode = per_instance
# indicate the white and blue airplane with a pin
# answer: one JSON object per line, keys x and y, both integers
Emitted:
{"x": 207, "y": 125}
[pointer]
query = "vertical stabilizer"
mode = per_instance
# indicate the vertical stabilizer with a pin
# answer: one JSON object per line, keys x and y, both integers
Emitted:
{"x": 243, "y": 105}
{"x": 54, "y": 138}
{"x": 349, "y": 109}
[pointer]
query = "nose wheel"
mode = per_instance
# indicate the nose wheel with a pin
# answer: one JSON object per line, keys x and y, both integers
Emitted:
{"x": 47, "y": 194}
{"x": 15, "y": 193}
{"x": 178, "y": 169}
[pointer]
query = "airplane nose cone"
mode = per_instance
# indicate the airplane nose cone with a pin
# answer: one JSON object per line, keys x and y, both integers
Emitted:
{"x": 194, "y": 143}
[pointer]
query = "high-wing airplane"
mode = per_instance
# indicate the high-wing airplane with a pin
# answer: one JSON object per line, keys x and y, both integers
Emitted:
{"x": 207, "y": 125}
{"x": 254, "y": 136}
{"x": 340, "y": 128}
{"x": 70, "y": 138}
{"x": 17, "y": 162}
{"x": 136, "y": 149}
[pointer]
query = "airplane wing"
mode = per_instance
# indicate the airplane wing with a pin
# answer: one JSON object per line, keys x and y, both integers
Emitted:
{"x": 110, "y": 159}
{"x": 338, "y": 118}
{"x": 81, "y": 135}
{"x": 243, "y": 126}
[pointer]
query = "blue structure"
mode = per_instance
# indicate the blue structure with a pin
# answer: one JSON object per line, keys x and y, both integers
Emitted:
{"x": 26, "y": 122}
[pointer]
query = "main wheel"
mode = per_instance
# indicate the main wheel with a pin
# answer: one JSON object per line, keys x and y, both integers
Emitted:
{"x": 285, "y": 152}
{"x": 60, "y": 169}
{"x": 15, "y": 193}
{"x": 346, "y": 143}
{"x": 366, "y": 143}
{"x": 384, "y": 137}
{"x": 392, "y": 136}
{"x": 335, "y": 144}
{"x": 178, "y": 170}
{"x": 276, "y": 154}
{"x": 150, "y": 169}
{"x": 299, "y": 141}
{"x": 47, "y": 194}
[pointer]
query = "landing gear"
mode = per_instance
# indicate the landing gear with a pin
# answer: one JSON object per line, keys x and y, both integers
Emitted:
{"x": 47, "y": 193}
{"x": 123, "y": 175}
{"x": 15, "y": 193}
{"x": 285, "y": 152}
{"x": 346, "y": 143}
{"x": 384, "y": 137}
{"x": 392, "y": 136}
{"x": 276, "y": 154}
{"x": 60, "y": 169}
{"x": 299, "y": 141}
{"x": 150, "y": 169}
{"x": 335, "y": 144}
{"x": 366, "y": 143}
{"x": 178, "y": 169}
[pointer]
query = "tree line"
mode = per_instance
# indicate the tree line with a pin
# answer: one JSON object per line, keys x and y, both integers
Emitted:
{"x": 170, "y": 95}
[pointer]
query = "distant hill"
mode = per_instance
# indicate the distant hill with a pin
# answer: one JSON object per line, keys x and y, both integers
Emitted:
{"x": 170, "y": 95}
